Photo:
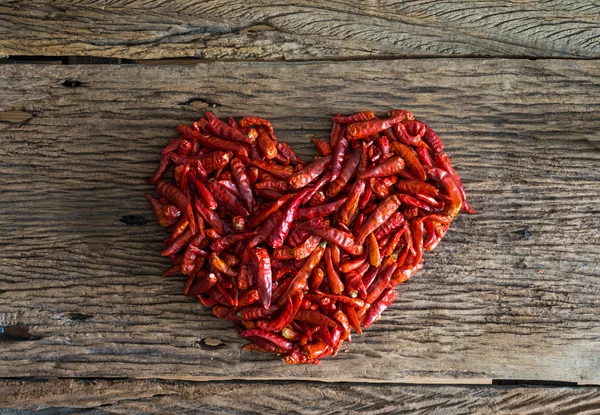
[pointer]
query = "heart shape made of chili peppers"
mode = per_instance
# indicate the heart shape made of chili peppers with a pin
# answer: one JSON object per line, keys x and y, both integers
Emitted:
{"x": 298, "y": 255}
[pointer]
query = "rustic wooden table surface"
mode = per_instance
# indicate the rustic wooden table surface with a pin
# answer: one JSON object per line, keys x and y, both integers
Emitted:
{"x": 503, "y": 319}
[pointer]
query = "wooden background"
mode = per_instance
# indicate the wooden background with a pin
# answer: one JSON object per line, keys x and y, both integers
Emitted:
{"x": 510, "y": 299}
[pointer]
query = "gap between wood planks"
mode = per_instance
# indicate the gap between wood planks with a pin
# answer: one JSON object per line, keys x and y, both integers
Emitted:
{"x": 356, "y": 382}
{"x": 93, "y": 60}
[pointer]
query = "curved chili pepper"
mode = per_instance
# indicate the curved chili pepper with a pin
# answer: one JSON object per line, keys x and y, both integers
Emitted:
{"x": 349, "y": 210}
{"x": 320, "y": 211}
{"x": 379, "y": 189}
{"x": 280, "y": 233}
{"x": 176, "y": 196}
{"x": 212, "y": 218}
{"x": 404, "y": 114}
{"x": 306, "y": 248}
{"x": 166, "y": 215}
{"x": 285, "y": 316}
{"x": 323, "y": 147}
{"x": 226, "y": 199}
{"x": 301, "y": 279}
{"x": 443, "y": 161}
{"x": 368, "y": 128}
{"x": 290, "y": 154}
{"x": 207, "y": 162}
{"x": 412, "y": 161}
{"x": 207, "y": 140}
{"x": 202, "y": 284}
{"x": 424, "y": 157}
{"x": 436, "y": 204}
{"x": 409, "y": 132}
{"x": 189, "y": 256}
{"x": 263, "y": 215}
{"x": 277, "y": 340}
{"x": 339, "y": 152}
{"x": 432, "y": 139}
{"x": 358, "y": 117}
{"x": 386, "y": 299}
{"x": 347, "y": 171}
{"x": 344, "y": 239}
{"x": 250, "y": 121}
{"x": 452, "y": 190}
{"x": 267, "y": 228}
{"x": 314, "y": 317}
{"x": 380, "y": 284}
{"x": 336, "y": 131}
{"x": 354, "y": 285}
{"x": 281, "y": 172}
{"x": 221, "y": 129}
{"x": 335, "y": 283}
{"x": 353, "y": 264}
{"x": 204, "y": 193}
{"x": 411, "y": 201}
{"x": 263, "y": 277}
{"x": 243, "y": 183}
{"x": 404, "y": 273}
{"x": 310, "y": 172}
{"x": 266, "y": 144}
{"x": 163, "y": 166}
{"x": 382, "y": 213}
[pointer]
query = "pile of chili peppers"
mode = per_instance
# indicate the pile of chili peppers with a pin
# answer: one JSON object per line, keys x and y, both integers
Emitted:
{"x": 298, "y": 255}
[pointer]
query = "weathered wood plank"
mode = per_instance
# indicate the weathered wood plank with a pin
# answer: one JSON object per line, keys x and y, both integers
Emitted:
{"x": 148, "y": 397}
{"x": 235, "y": 29}
{"x": 511, "y": 293}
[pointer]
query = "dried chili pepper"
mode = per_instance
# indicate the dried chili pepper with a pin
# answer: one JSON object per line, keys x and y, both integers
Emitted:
{"x": 175, "y": 196}
{"x": 383, "y": 212}
{"x": 365, "y": 129}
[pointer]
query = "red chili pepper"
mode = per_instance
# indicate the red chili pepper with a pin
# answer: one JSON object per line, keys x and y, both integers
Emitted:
{"x": 300, "y": 280}
{"x": 452, "y": 190}
{"x": 267, "y": 228}
{"x": 202, "y": 284}
{"x": 310, "y": 172}
{"x": 323, "y": 147}
{"x": 339, "y": 152}
{"x": 175, "y": 196}
{"x": 280, "y": 233}
{"x": 306, "y": 248}
{"x": 353, "y": 264}
{"x": 347, "y": 171}
{"x": 163, "y": 166}
{"x": 220, "y": 129}
{"x": 226, "y": 199}
{"x": 289, "y": 154}
{"x": 365, "y": 129}
{"x": 404, "y": 114}
{"x": 314, "y": 317}
{"x": 213, "y": 142}
{"x": 393, "y": 165}
{"x": 266, "y": 144}
{"x": 277, "y": 340}
{"x": 443, "y": 161}
{"x": 204, "y": 193}
{"x": 383, "y": 212}
{"x": 335, "y": 283}
{"x": 281, "y": 172}
{"x": 379, "y": 306}
{"x": 358, "y": 117}
{"x": 432, "y": 139}
{"x": 166, "y": 215}
{"x": 354, "y": 285}
{"x": 344, "y": 239}
{"x": 212, "y": 218}
{"x": 424, "y": 157}
{"x": 263, "y": 277}
{"x": 251, "y": 121}
{"x": 349, "y": 210}
{"x": 320, "y": 211}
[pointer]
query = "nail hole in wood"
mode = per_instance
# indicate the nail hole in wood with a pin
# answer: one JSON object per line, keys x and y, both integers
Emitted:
{"x": 210, "y": 343}
{"x": 526, "y": 233}
{"x": 201, "y": 103}
{"x": 133, "y": 220}
{"x": 69, "y": 83}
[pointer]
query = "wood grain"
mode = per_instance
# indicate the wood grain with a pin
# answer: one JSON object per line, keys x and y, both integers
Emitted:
{"x": 511, "y": 293}
{"x": 148, "y": 397}
{"x": 288, "y": 30}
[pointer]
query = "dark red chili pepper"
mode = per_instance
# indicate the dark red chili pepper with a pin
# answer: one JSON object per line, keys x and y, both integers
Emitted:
{"x": 281, "y": 172}
{"x": 266, "y": 229}
{"x": 163, "y": 166}
{"x": 204, "y": 193}
{"x": 424, "y": 157}
{"x": 289, "y": 154}
{"x": 167, "y": 215}
{"x": 314, "y": 317}
{"x": 220, "y": 129}
{"x": 175, "y": 196}
{"x": 263, "y": 277}
{"x": 266, "y": 144}
{"x": 347, "y": 171}
{"x": 263, "y": 215}
{"x": 212, "y": 218}
{"x": 213, "y": 142}
{"x": 339, "y": 152}
{"x": 202, "y": 284}
{"x": 320, "y": 211}
{"x": 452, "y": 190}
{"x": 280, "y": 233}
{"x": 354, "y": 285}
{"x": 432, "y": 139}
{"x": 277, "y": 340}
{"x": 226, "y": 199}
